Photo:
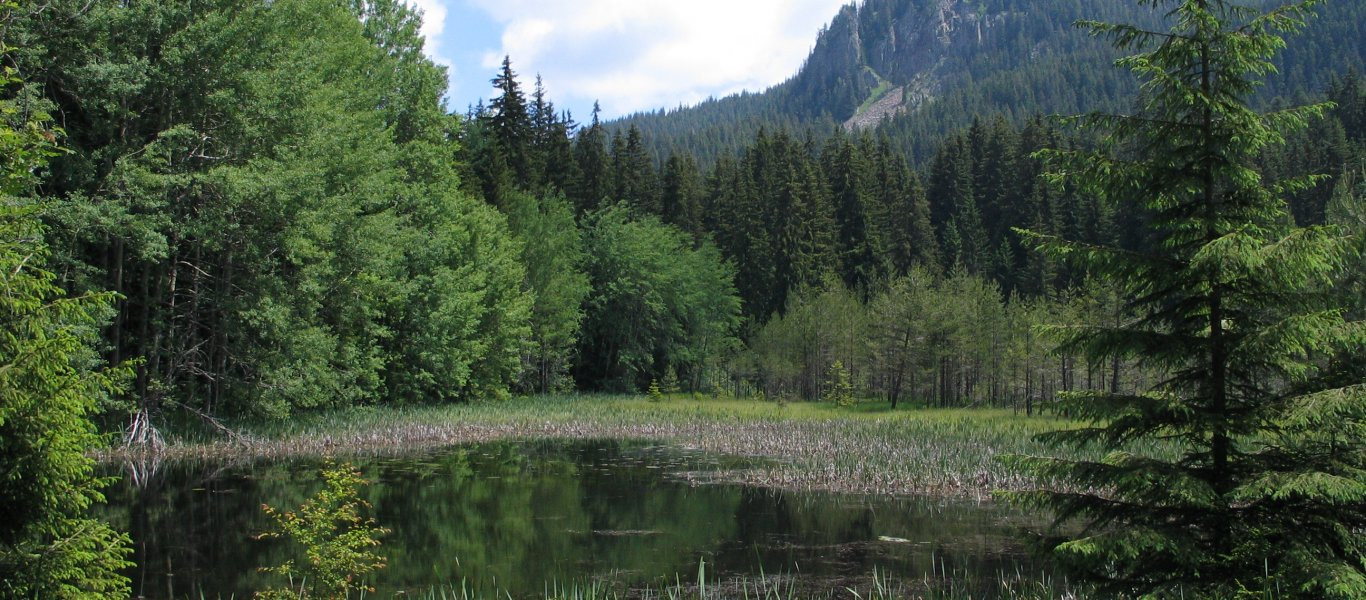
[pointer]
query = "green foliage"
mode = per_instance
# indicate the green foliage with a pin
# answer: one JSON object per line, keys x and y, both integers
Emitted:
{"x": 552, "y": 251}
{"x": 511, "y": 123}
{"x": 670, "y": 383}
{"x": 838, "y": 389}
{"x": 1236, "y": 310}
{"x": 792, "y": 353}
{"x": 50, "y": 384}
{"x": 653, "y": 391}
{"x": 49, "y": 389}
{"x": 269, "y": 187}
{"x": 950, "y": 341}
{"x": 658, "y": 302}
{"x": 336, "y": 537}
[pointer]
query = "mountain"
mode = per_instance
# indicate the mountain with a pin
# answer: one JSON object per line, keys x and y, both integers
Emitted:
{"x": 918, "y": 69}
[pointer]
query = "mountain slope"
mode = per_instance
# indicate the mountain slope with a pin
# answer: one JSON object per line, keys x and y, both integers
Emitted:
{"x": 921, "y": 68}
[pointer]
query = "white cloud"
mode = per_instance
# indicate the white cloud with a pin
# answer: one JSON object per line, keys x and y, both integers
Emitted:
{"x": 433, "y": 25}
{"x": 646, "y": 54}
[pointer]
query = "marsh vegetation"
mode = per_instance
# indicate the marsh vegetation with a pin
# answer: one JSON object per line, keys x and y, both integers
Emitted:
{"x": 598, "y": 517}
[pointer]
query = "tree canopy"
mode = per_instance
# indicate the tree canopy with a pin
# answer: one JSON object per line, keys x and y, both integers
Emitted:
{"x": 1235, "y": 309}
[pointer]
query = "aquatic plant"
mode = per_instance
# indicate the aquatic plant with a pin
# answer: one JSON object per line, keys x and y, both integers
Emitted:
{"x": 867, "y": 448}
{"x": 338, "y": 540}
{"x": 880, "y": 585}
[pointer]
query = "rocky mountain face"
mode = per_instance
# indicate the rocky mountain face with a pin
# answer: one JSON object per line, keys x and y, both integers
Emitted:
{"x": 882, "y": 58}
{"x": 946, "y": 61}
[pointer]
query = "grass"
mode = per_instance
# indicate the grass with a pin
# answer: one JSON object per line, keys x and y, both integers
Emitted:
{"x": 868, "y": 448}
{"x": 883, "y": 86}
{"x": 880, "y": 586}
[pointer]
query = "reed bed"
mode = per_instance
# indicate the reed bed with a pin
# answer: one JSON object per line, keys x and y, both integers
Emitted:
{"x": 867, "y": 449}
{"x": 879, "y": 586}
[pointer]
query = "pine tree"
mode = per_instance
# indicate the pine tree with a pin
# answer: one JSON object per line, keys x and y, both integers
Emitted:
{"x": 561, "y": 168}
{"x": 856, "y": 245}
{"x": 839, "y": 390}
{"x": 511, "y": 124}
{"x": 595, "y": 173}
{"x": 635, "y": 179}
{"x": 544, "y": 130}
{"x": 681, "y": 193}
{"x": 1266, "y": 489}
{"x": 50, "y": 547}
{"x": 801, "y": 224}
{"x": 903, "y": 214}
{"x": 976, "y": 252}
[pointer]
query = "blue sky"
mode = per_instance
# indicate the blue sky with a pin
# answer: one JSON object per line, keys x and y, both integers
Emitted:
{"x": 630, "y": 55}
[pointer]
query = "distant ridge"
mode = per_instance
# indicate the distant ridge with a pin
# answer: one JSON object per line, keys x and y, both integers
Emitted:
{"x": 917, "y": 69}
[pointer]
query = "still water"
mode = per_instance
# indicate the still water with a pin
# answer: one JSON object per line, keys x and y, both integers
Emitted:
{"x": 517, "y": 516}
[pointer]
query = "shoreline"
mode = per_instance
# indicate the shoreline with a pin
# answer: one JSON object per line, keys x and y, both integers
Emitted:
{"x": 809, "y": 447}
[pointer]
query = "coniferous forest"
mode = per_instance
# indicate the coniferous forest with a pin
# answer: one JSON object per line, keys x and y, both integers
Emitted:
{"x": 228, "y": 211}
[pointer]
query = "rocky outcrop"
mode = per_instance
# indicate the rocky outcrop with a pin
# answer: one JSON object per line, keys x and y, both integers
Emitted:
{"x": 895, "y": 42}
{"x": 906, "y": 98}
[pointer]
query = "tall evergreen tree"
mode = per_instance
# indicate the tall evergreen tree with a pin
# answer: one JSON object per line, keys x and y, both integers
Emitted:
{"x": 950, "y": 193}
{"x": 511, "y": 125}
{"x": 857, "y": 247}
{"x": 543, "y": 121}
{"x": 1267, "y": 488}
{"x": 681, "y": 193}
{"x": 903, "y": 213}
{"x": 634, "y": 172}
{"x": 554, "y": 168}
{"x": 595, "y": 168}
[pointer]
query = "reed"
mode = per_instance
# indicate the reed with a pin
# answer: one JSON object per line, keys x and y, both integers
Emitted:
{"x": 879, "y": 586}
{"x": 867, "y": 448}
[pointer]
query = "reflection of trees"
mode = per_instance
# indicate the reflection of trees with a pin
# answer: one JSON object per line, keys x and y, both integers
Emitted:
{"x": 525, "y": 514}
{"x": 192, "y": 526}
{"x": 838, "y": 535}
{"x": 782, "y": 532}
{"x": 477, "y": 518}
{"x": 683, "y": 521}
{"x": 487, "y": 517}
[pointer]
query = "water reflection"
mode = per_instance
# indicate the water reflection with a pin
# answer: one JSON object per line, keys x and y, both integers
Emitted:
{"x": 516, "y": 516}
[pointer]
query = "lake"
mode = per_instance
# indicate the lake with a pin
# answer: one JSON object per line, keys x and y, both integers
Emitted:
{"x": 518, "y": 516}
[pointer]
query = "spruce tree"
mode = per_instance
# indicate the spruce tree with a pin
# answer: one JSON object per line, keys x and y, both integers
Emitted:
{"x": 511, "y": 124}
{"x": 856, "y": 246}
{"x": 1242, "y": 470}
{"x": 636, "y": 181}
{"x": 904, "y": 213}
{"x": 50, "y": 383}
{"x": 595, "y": 173}
{"x": 681, "y": 193}
{"x": 544, "y": 130}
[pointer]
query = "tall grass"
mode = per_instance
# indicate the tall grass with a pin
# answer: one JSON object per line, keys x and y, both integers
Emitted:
{"x": 879, "y": 586}
{"x": 868, "y": 448}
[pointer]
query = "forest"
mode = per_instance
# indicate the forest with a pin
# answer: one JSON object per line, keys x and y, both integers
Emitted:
{"x": 334, "y": 237}
{"x": 954, "y": 62}
{"x": 227, "y": 210}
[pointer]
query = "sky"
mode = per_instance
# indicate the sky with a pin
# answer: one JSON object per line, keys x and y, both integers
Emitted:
{"x": 630, "y": 55}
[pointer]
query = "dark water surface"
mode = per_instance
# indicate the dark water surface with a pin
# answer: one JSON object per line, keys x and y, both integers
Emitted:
{"x": 517, "y": 516}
